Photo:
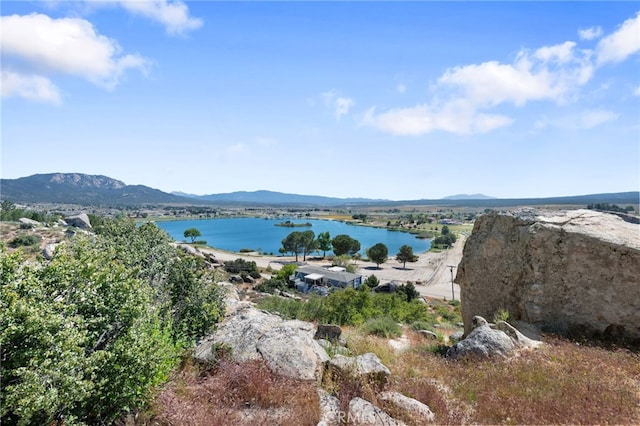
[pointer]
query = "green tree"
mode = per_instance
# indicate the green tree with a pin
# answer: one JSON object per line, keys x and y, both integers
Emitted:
{"x": 372, "y": 281}
{"x": 344, "y": 244}
{"x": 406, "y": 255}
{"x": 308, "y": 243}
{"x": 192, "y": 233}
{"x": 81, "y": 340}
{"x": 324, "y": 242}
{"x": 378, "y": 254}
{"x": 292, "y": 243}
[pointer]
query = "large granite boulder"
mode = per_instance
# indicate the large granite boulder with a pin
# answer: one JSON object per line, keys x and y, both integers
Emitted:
{"x": 564, "y": 271}
{"x": 482, "y": 342}
{"x": 25, "y": 222}
{"x": 79, "y": 221}
{"x": 367, "y": 366}
{"x": 418, "y": 411}
{"x": 287, "y": 347}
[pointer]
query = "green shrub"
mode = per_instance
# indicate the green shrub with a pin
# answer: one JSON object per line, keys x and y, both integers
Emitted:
{"x": 240, "y": 265}
{"x": 269, "y": 286}
{"x": 25, "y": 240}
{"x": 384, "y": 327}
{"x": 372, "y": 281}
{"x": 421, "y": 325}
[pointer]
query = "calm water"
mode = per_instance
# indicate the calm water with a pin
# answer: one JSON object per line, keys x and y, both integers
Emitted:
{"x": 262, "y": 234}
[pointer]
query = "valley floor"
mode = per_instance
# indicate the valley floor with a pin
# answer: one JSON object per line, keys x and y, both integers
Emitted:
{"x": 431, "y": 273}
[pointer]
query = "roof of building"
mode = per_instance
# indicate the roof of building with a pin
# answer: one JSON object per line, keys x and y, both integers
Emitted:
{"x": 342, "y": 276}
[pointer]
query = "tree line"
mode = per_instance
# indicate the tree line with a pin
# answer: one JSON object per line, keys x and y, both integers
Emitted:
{"x": 305, "y": 242}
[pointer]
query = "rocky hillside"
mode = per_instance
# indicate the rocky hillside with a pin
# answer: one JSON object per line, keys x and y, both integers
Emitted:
{"x": 78, "y": 188}
{"x": 568, "y": 271}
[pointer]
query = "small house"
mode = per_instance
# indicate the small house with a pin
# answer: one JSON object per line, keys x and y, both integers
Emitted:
{"x": 322, "y": 280}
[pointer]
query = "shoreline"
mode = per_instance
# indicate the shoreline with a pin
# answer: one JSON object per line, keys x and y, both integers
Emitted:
{"x": 430, "y": 274}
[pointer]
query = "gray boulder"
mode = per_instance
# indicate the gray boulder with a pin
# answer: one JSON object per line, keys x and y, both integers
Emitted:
{"x": 367, "y": 366}
{"x": 482, "y": 342}
{"x": 79, "y": 221}
{"x": 191, "y": 250}
{"x": 29, "y": 223}
{"x": 420, "y": 412}
{"x": 287, "y": 347}
{"x": 427, "y": 334}
{"x": 330, "y": 413}
{"x": 518, "y": 339}
{"x": 49, "y": 250}
{"x": 328, "y": 332}
{"x": 362, "y": 412}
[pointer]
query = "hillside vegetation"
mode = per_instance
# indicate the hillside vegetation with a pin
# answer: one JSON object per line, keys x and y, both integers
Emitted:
{"x": 89, "y": 335}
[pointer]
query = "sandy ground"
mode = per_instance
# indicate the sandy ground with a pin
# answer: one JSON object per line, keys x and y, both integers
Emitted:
{"x": 431, "y": 273}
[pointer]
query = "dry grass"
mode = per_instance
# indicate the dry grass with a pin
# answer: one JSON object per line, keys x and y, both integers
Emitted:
{"x": 235, "y": 394}
{"x": 561, "y": 383}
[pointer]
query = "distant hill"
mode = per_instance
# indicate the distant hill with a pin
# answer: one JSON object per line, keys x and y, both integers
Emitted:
{"x": 632, "y": 197}
{"x": 78, "y": 188}
{"x": 281, "y": 198}
{"x": 82, "y": 189}
{"x": 469, "y": 197}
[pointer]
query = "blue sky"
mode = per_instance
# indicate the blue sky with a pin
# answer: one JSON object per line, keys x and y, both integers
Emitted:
{"x": 393, "y": 100}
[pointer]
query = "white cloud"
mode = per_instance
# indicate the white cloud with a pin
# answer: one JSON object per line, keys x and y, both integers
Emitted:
{"x": 593, "y": 118}
{"x": 401, "y": 88}
{"x": 587, "y": 119}
{"x": 621, "y": 44}
{"x": 590, "y": 33}
{"x": 173, "y": 15}
{"x": 464, "y": 94}
{"x": 340, "y": 105}
{"x": 32, "y": 87}
{"x": 552, "y": 73}
{"x": 636, "y": 92}
{"x": 561, "y": 53}
{"x": 69, "y": 46}
{"x": 456, "y": 117}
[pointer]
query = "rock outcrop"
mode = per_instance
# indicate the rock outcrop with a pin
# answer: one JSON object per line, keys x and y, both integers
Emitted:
{"x": 287, "y": 347}
{"x": 79, "y": 221}
{"x": 491, "y": 340}
{"x": 564, "y": 271}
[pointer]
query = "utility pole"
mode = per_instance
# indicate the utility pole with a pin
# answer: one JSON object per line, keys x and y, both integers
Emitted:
{"x": 453, "y": 293}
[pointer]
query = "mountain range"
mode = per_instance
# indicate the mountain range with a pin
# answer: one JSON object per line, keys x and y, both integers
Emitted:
{"x": 83, "y": 189}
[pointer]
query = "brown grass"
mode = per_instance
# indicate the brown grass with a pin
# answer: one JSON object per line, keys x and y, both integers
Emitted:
{"x": 561, "y": 383}
{"x": 235, "y": 394}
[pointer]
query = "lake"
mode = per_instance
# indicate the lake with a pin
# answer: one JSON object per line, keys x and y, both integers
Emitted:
{"x": 264, "y": 236}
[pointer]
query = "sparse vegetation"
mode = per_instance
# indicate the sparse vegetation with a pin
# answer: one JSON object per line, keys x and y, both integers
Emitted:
{"x": 384, "y": 327}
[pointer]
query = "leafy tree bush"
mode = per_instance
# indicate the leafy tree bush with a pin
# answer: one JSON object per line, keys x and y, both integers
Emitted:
{"x": 80, "y": 339}
{"x": 384, "y": 327}
{"x": 408, "y": 291}
{"x": 271, "y": 285}
{"x": 406, "y": 255}
{"x": 324, "y": 243}
{"x": 349, "y": 307}
{"x": 344, "y": 244}
{"x": 240, "y": 265}
{"x": 25, "y": 240}
{"x": 372, "y": 281}
{"x": 192, "y": 233}
{"x": 88, "y": 335}
{"x": 378, "y": 253}
{"x": 286, "y": 271}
